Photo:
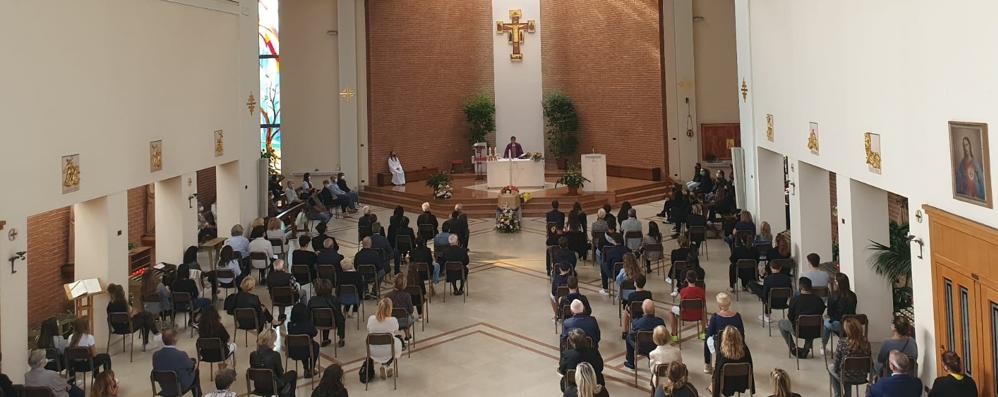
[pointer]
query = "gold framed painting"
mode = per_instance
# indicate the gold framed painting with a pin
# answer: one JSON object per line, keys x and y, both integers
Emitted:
{"x": 971, "y": 163}
{"x": 219, "y": 143}
{"x": 70, "y": 166}
{"x": 155, "y": 156}
{"x": 812, "y": 138}
{"x": 871, "y": 142}
{"x": 770, "y": 129}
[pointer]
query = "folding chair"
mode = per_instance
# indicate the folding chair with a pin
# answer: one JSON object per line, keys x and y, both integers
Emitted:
{"x": 743, "y": 265}
{"x": 382, "y": 340}
{"x": 400, "y": 314}
{"x": 679, "y": 269}
{"x": 303, "y": 275}
{"x": 169, "y": 384}
{"x": 854, "y": 364}
{"x": 456, "y": 271}
{"x": 564, "y": 312}
{"x": 655, "y": 254}
{"x": 299, "y": 343}
{"x": 691, "y": 310}
{"x": 264, "y": 382}
{"x": 246, "y": 320}
{"x": 598, "y": 238}
{"x": 33, "y": 391}
{"x": 403, "y": 243}
{"x": 807, "y": 327}
{"x": 414, "y": 290}
{"x": 423, "y": 270}
{"x": 641, "y": 338}
{"x": 324, "y": 319}
{"x": 279, "y": 247}
{"x": 227, "y": 274}
{"x": 863, "y": 320}
{"x": 260, "y": 262}
{"x": 613, "y": 276}
{"x": 370, "y": 274}
{"x": 821, "y": 292}
{"x": 326, "y": 272}
{"x": 182, "y": 303}
{"x": 426, "y": 231}
{"x": 348, "y": 295}
{"x": 632, "y": 239}
{"x": 737, "y": 372}
{"x": 628, "y": 285}
{"x": 282, "y": 298}
{"x": 212, "y": 351}
{"x": 123, "y": 321}
{"x": 698, "y": 236}
{"x": 78, "y": 360}
{"x": 778, "y": 299}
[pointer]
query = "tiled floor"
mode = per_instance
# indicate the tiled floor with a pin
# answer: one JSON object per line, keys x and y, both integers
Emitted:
{"x": 502, "y": 342}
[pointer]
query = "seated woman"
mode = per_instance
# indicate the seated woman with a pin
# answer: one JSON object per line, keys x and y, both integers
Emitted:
{"x": 324, "y": 298}
{"x": 841, "y": 302}
{"x": 630, "y": 272}
{"x": 682, "y": 253}
{"x": 901, "y": 340}
{"x": 580, "y": 350}
{"x": 183, "y": 283}
{"x": 83, "y": 338}
{"x": 301, "y": 324}
{"x": 50, "y": 339}
{"x": 732, "y": 351}
{"x": 724, "y": 318}
{"x": 664, "y": 352}
{"x": 653, "y": 237}
{"x": 382, "y": 322}
{"x": 955, "y": 383}
{"x": 228, "y": 259}
{"x": 266, "y": 358}
{"x": 156, "y": 297}
{"x": 585, "y": 383}
{"x": 352, "y": 277}
{"x": 331, "y": 384}
{"x": 141, "y": 320}
{"x": 781, "y": 384}
{"x": 678, "y": 384}
{"x": 402, "y": 300}
{"x": 742, "y": 249}
{"x": 854, "y": 344}
{"x": 275, "y": 230}
{"x": 210, "y": 326}
{"x": 246, "y": 299}
{"x": 576, "y": 237}
{"x": 765, "y": 236}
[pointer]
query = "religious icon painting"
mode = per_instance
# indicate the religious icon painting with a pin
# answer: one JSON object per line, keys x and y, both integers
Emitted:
{"x": 971, "y": 163}
{"x": 70, "y": 173}
{"x": 155, "y": 156}
{"x": 770, "y": 130}
{"x": 871, "y": 142}
{"x": 812, "y": 138}
{"x": 219, "y": 143}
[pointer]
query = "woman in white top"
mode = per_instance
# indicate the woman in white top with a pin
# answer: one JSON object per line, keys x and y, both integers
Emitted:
{"x": 275, "y": 229}
{"x": 395, "y": 166}
{"x": 82, "y": 338}
{"x": 665, "y": 353}
{"x": 382, "y": 322}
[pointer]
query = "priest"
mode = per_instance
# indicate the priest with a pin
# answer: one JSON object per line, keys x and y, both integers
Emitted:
{"x": 395, "y": 166}
{"x": 513, "y": 149}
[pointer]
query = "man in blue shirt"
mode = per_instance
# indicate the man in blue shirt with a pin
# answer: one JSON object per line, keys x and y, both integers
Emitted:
{"x": 648, "y": 322}
{"x": 614, "y": 253}
{"x": 169, "y": 358}
{"x": 582, "y": 321}
{"x": 238, "y": 243}
{"x": 900, "y": 383}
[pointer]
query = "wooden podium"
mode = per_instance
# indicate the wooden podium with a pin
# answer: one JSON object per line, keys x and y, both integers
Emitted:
{"x": 594, "y": 169}
{"x": 81, "y": 293}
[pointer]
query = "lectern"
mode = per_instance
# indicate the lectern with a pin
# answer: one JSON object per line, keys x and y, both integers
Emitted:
{"x": 594, "y": 169}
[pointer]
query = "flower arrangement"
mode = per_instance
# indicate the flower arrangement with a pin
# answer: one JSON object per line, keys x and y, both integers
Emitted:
{"x": 510, "y": 190}
{"x": 441, "y": 185}
{"x": 525, "y": 197}
{"x": 507, "y": 220}
{"x": 536, "y": 156}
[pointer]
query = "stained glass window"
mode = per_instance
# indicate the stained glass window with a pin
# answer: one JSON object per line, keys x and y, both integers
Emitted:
{"x": 270, "y": 83}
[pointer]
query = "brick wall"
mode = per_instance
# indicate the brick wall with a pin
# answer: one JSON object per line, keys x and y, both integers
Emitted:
{"x": 48, "y": 246}
{"x": 137, "y": 204}
{"x": 897, "y": 207}
{"x": 424, "y": 59}
{"x": 206, "y": 186}
{"x": 606, "y": 55}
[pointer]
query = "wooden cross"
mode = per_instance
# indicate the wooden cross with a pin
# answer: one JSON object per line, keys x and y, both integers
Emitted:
{"x": 514, "y": 31}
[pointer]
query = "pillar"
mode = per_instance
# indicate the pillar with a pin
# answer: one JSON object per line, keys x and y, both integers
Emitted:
{"x": 14, "y": 297}
{"x": 246, "y": 202}
{"x": 753, "y": 199}
{"x": 227, "y": 196}
{"x": 863, "y": 218}
{"x": 810, "y": 209}
{"x": 101, "y": 247}
{"x": 347, "y": 37}
{"x": 680, "y": 88}
{"x": 175, "y": 228}
{"x": 770, "y": 189}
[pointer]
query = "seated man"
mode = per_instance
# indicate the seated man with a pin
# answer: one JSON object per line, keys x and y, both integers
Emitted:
{"x": 555, "y": 216}
{"x": 347, "y": 199}
{"x": 223, "y": 381}
{"x": 819, "y": 278}
{"x": 580, "y": 320}
{"x": 238, "y": 242}
{"x": 330, "y": 255}
{"x": 640, "y": 294}
{"x": 690, "y": 291}
{"x": 169, "y": 358}
{"x": 648, "y": 322}
{"x": 39, "y": 376}
{"x": 369, "y": 256}
{"x": 281, "y": 278}
{"x": 806, "y": 303}
{"x": 614, "y": 252}
{"x": 341, "y": 183}
{"x": 775, "y": 279}
{"x": 454, "y": 252}
{"x": 562, "y": 254}
{"x": 559, "y": 279}
{"x": 330, "y": 199}
{"x": 574, "y": 294}
{"x": 900, "y": 383}
{"x": 380, "y": 243}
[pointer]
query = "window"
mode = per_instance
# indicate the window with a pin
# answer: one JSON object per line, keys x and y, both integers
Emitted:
{"x": 270, "y": 83}
{"x": 950, "y": 337}
{"x": 965, "y": 322}
{"x": 994, "y": 345}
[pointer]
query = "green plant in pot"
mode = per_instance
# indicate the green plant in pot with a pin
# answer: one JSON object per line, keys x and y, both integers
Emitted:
{"x": 573, "y": 179}
{"x": 893, "y": 262}
{"x": 441, "y": 185}
{"x": 561, "y": 126}
{"x": 480, "y": 112}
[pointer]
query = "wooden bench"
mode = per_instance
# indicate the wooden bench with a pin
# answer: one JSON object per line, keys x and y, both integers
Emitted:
{"x": 385, "y": 178}
{"x": 647, "y": 174}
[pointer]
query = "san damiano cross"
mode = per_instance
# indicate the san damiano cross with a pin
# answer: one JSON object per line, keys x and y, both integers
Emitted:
{"x": 515, "y": 31}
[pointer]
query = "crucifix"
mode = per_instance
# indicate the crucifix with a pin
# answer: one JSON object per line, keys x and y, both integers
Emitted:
{"x": 514, "y": 31}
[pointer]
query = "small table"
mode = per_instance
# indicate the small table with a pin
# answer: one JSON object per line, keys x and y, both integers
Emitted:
{"x": 213, "y": 246}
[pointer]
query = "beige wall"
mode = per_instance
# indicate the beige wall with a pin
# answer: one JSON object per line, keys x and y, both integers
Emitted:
{"x": 716, "y": 68}
{"x": 309, "y": 70}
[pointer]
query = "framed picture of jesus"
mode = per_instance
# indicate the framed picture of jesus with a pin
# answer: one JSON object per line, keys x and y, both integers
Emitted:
{"x": 971, "y": 163}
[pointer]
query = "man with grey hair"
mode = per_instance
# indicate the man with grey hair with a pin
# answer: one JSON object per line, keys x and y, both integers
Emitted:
{"x": 39, "y": 376}
{"x": 280, "y": 277}
{"x": 368, "y": 255}
{"x": 238, "y": 242}
{"x": 454, "y": 252}
{"x": 582, "y": 321}
{"x": 900, "y": 383}
{"x": 426, "y": 224}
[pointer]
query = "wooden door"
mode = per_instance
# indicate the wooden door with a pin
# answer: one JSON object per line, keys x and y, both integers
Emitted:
{"x": 716, "y": 141}
{"x": 987, "y": 378}
{"x": 958, "y": 303}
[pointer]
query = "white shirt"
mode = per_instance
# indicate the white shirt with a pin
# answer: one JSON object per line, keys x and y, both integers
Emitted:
{"x": 231, "y": 265}
{"x": 276, "y": 234}
{"x": 291, "y": 195}
{"x": 261, "y": 244}
{"x": 819, "y": 278}
{"x": 383, "y": 353}
{"x": 86, "y": 340}
{"x": 664, "y": 354}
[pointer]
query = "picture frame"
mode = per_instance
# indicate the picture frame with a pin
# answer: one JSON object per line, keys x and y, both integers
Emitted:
{"x": 155, "y": 156}
{"x": 970, "y": 162}
{"x": 70, "y": 166}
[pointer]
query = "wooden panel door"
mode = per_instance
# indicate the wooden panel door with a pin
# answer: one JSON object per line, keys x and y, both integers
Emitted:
{"x": 718, "y": 139}
{"x": 987, "y": 378}
{"x": 958, "y": 327}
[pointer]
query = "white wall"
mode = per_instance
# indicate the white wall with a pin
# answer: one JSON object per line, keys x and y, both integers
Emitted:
{"x": 518, "y": 87}
{"x": 103, "y": 78}
{"x": 680, "y": 87}
{"x": 716, "y": 68}
{"x": 902, "y": 69}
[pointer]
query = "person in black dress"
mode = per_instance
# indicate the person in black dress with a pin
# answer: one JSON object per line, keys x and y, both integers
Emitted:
{"x": 210, "y": 326}
{"x": 324, "y": 298}
{"x": 141, "y": 320}
{"x": 301, "y": 324}
{"x": 266, "y": 358}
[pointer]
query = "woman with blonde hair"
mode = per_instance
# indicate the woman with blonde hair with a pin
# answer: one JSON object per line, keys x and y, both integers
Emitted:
{"x": 732, "y": 350}
{"x": 664, "y": 353}
{"x": 585, "y": 383}
{"x": 266, "y": 358}
{"x": 719, "y": 321}
{"x": 854, "y": 344}
{"x": 781, "y": 384}
{"x": 105, "y": 385}
{"x": 765, "y": 236}
{"x": 382, "y": 322}
{"x": 275, "y": 229}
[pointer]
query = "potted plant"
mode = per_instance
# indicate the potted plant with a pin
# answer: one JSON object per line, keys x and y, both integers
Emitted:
{"x": 440, "y": 183}
{"x": 573, "y": 179}
{"x": 480, "y": 112}
{"x": 561, "y": 126}
{"x": 893, "y": 262}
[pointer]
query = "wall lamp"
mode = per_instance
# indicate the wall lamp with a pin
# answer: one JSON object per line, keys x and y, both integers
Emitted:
{"x": 190, "y": 200}
{"x": 915, "y": 239}
{"x": 14, "y": 258}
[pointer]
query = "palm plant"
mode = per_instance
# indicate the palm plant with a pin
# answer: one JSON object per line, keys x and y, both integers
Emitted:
{"x": 893, "y": 262}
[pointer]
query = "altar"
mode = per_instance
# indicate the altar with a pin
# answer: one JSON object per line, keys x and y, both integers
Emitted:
{"x": 516, "y": 172}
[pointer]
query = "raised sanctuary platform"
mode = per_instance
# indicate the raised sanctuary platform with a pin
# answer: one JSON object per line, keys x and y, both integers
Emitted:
{"x": 480, "y": 202}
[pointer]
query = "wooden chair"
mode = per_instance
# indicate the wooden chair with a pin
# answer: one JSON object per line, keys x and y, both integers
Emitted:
{"x": 414, "y": 290}
{"x": 778, "y": 299}
{"x": 182, "y": 303}
{"x": 687, "y": 309}
{"x": 370, "y": 274}
{"x": 282, "y": 298}
{"x": 303, "y": 275}
{"x": 744, "y": 265}
{"x": 212, "y": 351}
{"x": 349, "y": 295}
{"x": 261, "y": 382}
{"x": 401, "y": 314}
{"x": 260, "y": 262}
{"x": 641, "y": 338}
{"x": 382, "y": 340}
{"x": 169, "y": 384}
{"x": 698, "y": 236}
{"x": 301, "y": 343}
{"x": 737, "y": 372}
{"x": 79, "y": 360}
{"x": 121, "y": 320}
{"x": 456, "y": 271}
{"x": 422, "y": 269}
{"x": 807, "y": 327}
{"x": 246, "y": 320}
{"x": 324, "y": 319}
